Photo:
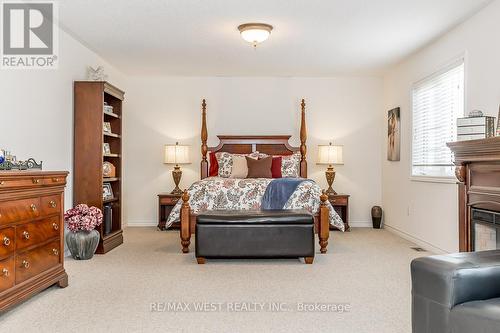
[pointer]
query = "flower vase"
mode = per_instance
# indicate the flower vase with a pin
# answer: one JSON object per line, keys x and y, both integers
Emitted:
{"x": 82, "y": 244}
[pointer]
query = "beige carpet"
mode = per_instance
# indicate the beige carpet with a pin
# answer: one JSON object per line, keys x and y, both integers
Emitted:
{"x": 366, "y": 269}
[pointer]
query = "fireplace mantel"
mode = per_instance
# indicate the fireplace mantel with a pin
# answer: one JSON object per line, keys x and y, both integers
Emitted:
{"x": 478, "y": 172}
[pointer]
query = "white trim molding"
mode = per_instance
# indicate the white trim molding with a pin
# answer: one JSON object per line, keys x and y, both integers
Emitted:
{"x": 425, "y": 245}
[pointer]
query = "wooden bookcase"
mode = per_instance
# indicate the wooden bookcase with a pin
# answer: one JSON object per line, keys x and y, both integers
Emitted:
{"x": 89, "y": 116}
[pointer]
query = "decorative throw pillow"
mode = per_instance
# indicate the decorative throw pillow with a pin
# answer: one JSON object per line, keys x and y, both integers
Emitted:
{"x": 276, "y": 167}
{"x": 240, "y": 167}
{"x": 213, "y": 171}
{"x": 259, "y": 168}
{"x": 290, "y": 165}
{"x": 225, "y": 161}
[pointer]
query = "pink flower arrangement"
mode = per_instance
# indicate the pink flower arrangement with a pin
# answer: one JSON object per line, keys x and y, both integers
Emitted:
{"x": 83, "y": 217}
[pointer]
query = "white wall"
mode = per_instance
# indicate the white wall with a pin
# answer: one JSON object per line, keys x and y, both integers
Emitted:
{"x": 36, "y": 108}
{"x": 165, "y": 110}
{"x": 427, "y": 212}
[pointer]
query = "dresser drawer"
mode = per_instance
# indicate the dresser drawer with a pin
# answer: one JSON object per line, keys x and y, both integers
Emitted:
{"x": 7, "y": 241}
{"x": 16, "y": 210}
{"x": 169, "y": 201}
{"x": 7, "y": 274}
{"x": 36, "y": 261}
{"x": 30, "y": 181}
{"x": 50, "y": 204}
{"x": 33, "y": 233}
{"x": 338, "y": 201}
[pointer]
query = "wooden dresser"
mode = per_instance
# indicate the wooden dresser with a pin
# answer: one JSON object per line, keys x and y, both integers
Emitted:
{"x": 31, "y": 234}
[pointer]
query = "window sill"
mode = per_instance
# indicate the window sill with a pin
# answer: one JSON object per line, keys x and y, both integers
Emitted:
{"x": 429, "y": 179}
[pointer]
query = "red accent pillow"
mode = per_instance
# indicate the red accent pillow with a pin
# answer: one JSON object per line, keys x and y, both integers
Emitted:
{"x": 213, "y": 170}
{"x": 276, "y": 167}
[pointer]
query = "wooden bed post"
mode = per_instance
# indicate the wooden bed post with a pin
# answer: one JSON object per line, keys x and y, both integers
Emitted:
{"x": 324, "y": 225}
{"x": 185, "y": 222}
{"x": 204, "y": 137}
{"x": 303, "y": 137}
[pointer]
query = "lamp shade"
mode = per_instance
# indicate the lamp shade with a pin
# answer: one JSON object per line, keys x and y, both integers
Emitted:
{"x": 330, "y": 154}
{"x": 176, "y": 154}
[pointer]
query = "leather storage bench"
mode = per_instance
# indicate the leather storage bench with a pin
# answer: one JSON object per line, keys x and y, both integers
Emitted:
{"x": 255, "y": 234}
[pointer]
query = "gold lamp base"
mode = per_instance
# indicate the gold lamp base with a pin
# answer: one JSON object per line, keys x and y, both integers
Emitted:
{"x": 330, "y": 177}
{"x": 177, "y": 174}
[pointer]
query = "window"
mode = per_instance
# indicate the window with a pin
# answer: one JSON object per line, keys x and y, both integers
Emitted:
{"x": 437, "y": 103}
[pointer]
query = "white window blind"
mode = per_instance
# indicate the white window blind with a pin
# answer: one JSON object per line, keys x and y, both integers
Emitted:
{"x": 437, "y": 103}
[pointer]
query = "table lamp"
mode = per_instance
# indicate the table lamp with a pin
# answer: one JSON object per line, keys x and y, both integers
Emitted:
{"x": 176, "y": 154}
{"x": 330, "y": 154}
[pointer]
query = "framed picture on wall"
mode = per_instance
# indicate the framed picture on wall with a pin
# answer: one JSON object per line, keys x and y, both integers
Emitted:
{"x": 393, "y": 135}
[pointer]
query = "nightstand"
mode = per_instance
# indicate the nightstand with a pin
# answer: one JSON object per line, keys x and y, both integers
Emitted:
{"x": 340, "y": 203}
{"x": 166, "y": 203}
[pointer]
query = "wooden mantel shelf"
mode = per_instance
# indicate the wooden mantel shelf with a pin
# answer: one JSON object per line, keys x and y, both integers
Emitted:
{"x": 476, "y": 150}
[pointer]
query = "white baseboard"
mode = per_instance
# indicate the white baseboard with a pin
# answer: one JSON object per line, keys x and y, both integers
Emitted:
{"x": 425, "y": 245}
{"x": 149, "y": 223}
{"x": 360, "y": 224}
{"x": 142, "y": 223}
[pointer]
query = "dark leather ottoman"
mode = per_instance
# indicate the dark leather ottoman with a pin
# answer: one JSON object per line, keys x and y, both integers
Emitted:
{"x": 255, "y": 234}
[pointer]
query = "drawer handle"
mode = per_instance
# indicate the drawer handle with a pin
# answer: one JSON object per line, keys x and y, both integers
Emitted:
{"x": 26, "y": 235}
{"x": 6, "y": 241}
{"x": 5, "y": 272}
{"x": 52, "y": 204}
{"x": 2, "y": 182}
{"x": 55, "y": 226}
{"x": 26, "y": 264}
{"x": 55, "y": 180}
{"x": 36, "y": 181}
{"x": 33, "y": 207}
{"x": 55, "y": 252}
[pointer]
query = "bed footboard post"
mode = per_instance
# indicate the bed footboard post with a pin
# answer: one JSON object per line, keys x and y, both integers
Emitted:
{"x": 185, "y": 222}
{"x": 324, "y": 225}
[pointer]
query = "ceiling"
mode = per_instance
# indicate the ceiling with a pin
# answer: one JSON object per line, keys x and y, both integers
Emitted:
{"x": 310, "y": 37}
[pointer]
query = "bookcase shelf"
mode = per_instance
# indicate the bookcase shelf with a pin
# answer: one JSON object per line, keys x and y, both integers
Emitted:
{"x": 89, "y": 116}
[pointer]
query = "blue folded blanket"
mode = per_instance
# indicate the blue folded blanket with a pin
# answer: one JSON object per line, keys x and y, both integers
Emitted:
{"x": 278, "y": 192}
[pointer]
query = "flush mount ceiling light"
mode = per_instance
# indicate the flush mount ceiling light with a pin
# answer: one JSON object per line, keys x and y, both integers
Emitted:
{"x": 255, "y": 33}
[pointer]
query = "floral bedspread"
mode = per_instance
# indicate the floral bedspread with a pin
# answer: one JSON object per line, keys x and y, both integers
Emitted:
{"x": 216, "y": 193}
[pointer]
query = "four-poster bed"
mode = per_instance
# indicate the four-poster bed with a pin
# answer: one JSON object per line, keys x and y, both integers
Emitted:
{"x": 265, "y": 144}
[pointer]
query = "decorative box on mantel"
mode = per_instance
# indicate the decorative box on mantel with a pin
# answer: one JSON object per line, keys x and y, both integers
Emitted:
{"x": 478, "y": 172}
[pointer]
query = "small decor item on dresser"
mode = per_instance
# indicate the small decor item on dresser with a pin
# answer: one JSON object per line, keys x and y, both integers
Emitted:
{"x": 108, "y": 170}
{"x": 2, "y": 156}
{"x": 376, "y": 217}
{"x": 96, "y": 74}
{"x": 107, "y": 191}
{"x": 82, "y": 240}
{"x": 106, "y": 127}
{"x": 10, "y": 163}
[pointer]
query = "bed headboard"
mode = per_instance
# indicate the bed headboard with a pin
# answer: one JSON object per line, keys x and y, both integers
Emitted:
{"x": 245, "y": 144}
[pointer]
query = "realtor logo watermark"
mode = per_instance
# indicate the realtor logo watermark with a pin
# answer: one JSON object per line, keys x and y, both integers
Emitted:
{"x": 29, "y": 35}
{"x": 250, "y": 307}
